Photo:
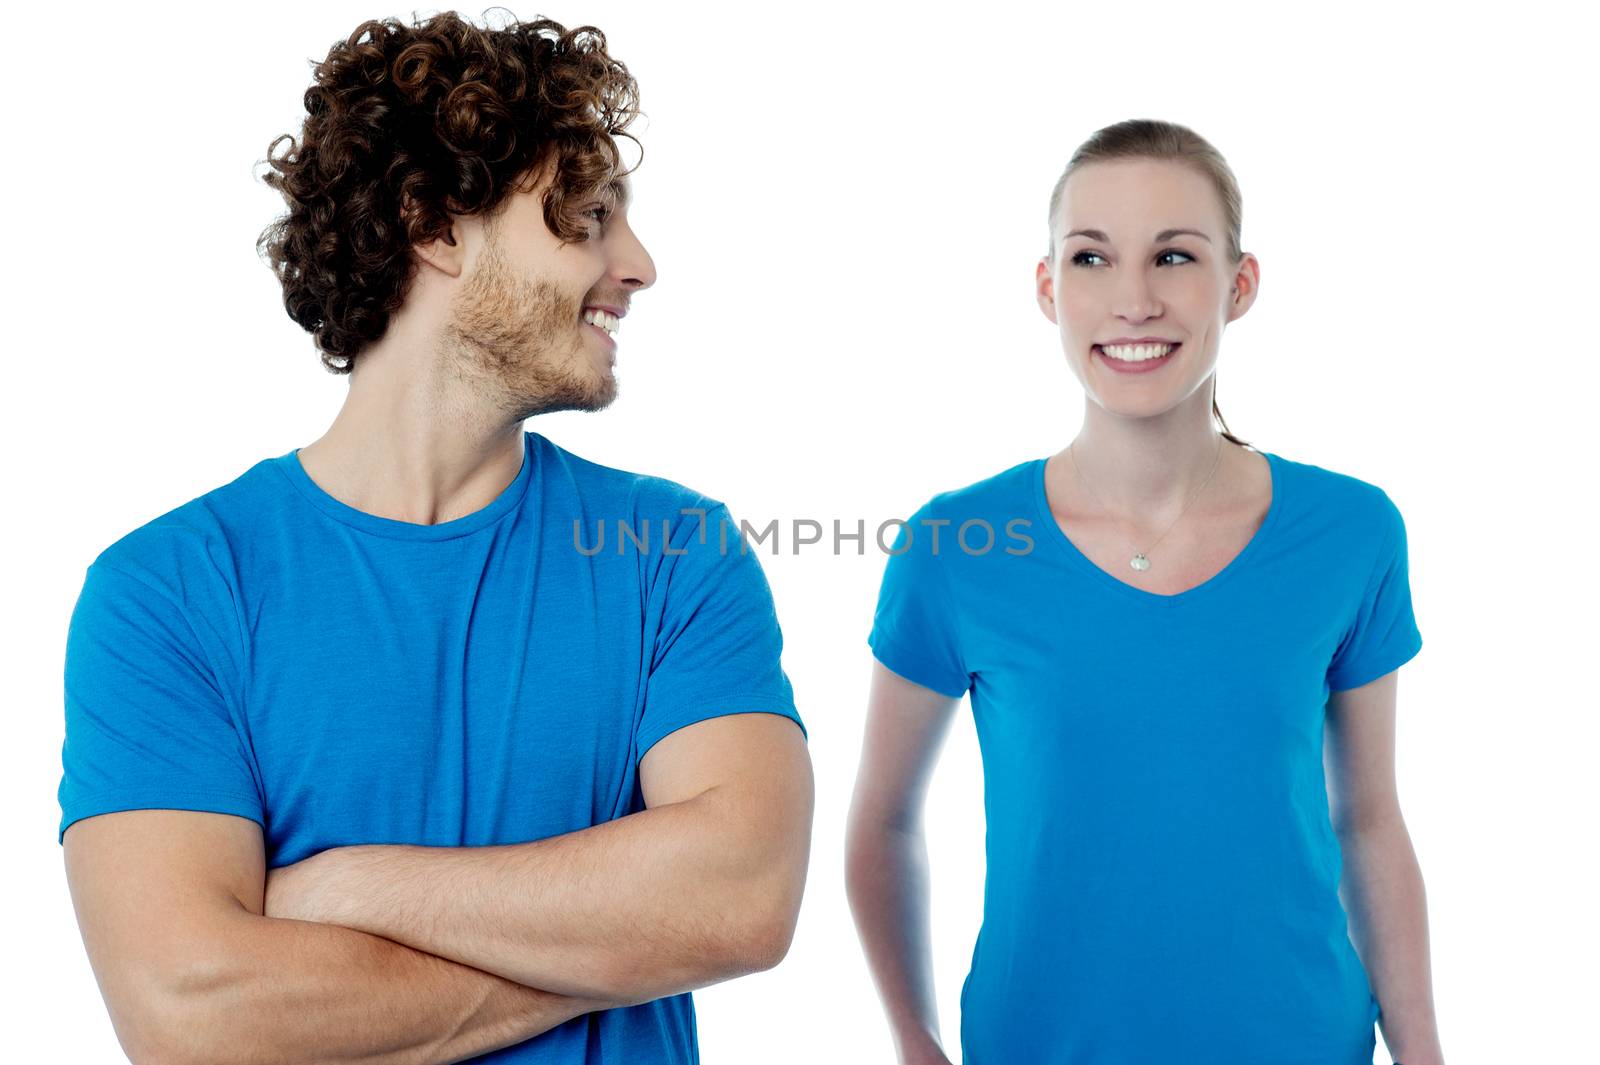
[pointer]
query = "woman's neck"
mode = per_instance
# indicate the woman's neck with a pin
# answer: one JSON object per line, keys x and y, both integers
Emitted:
{"x": 1140, "y": 468}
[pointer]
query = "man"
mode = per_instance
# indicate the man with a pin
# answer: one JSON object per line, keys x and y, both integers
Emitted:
{"x": 372, "y": 754}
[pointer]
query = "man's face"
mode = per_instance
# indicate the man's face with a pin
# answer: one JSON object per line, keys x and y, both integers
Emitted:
{"x": 1120, "y": 281}
{"x": 529, "y": 318}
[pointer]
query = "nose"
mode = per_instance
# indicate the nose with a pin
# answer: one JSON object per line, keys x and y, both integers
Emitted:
{"x": 1134, "y": 299}
{"x": 633, "y": 267}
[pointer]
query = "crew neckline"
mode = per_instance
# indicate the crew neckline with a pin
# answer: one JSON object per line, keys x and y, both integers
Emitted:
{"x": 393, "y": 528}
{"x": 1056, "y": 533}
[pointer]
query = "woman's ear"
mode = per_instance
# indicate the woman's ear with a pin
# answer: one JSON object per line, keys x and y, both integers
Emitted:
{"x": 1045, "y": 288}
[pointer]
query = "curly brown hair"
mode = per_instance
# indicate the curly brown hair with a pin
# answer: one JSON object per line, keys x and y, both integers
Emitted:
{"x": 408, "y": 125}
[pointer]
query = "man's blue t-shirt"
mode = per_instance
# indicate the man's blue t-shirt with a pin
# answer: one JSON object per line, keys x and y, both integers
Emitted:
{"x": 268, "y": 651}
{"x": 1162, "y": 874}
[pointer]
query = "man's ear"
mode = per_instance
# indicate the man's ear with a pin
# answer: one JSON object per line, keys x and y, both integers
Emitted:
{"x": 1045, "y": 289}
{"x": 447, "y": 252}
{"x": 444, "y": 253}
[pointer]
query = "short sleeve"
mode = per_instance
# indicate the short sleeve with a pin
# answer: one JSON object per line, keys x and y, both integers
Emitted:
{"x": 1383, "y": 635}
{"x": 146, "y": 724}
{"x": 717, "y": 647}
{"x": 914, "y": 626}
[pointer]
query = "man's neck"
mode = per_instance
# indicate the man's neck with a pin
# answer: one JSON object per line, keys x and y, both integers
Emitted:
{"x": 416, "y": 454}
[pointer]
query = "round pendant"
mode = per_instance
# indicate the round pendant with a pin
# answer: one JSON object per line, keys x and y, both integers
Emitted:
{"x": 1140, "y": 563}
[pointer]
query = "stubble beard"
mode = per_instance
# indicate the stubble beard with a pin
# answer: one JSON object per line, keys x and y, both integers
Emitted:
{"x": 521, "y": 341}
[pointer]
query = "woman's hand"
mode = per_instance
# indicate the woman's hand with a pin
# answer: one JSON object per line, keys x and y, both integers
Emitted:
{"x": 933, "y": 1056}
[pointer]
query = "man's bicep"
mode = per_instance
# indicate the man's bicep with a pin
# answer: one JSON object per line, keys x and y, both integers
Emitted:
{"x": 764, "y": 753}
{"x": 150, "y": 889}
{"x": 738, "y": 790}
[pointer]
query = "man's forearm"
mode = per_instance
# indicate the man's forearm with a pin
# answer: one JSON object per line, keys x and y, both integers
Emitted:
{"x": 1384, "y": 897}
{"x": 294, "y": 991}
{"x": 655, "y": 903}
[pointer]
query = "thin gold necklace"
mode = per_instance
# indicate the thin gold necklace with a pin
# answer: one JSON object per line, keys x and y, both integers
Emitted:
{"x": 1140, "y": 561}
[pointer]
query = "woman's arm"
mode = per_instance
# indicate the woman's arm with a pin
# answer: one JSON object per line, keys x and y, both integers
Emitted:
{"x": 886, "y": 859}
{"x": 1382, "y": 883}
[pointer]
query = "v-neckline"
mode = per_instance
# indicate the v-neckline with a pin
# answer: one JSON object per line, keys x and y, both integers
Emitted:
{"x": 1056, "y": 533}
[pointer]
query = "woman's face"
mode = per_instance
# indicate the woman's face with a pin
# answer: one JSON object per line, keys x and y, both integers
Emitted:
{"x": 1120, "y": 269}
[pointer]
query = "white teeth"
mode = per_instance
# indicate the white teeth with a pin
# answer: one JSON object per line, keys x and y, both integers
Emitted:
{"x": 604, "y": 319}
{"x": 1136, "y": 352}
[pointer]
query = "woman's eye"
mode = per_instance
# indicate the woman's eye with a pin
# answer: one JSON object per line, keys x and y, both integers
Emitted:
{"x": 599, "y": 214}
{"x": 1080, "y": 258}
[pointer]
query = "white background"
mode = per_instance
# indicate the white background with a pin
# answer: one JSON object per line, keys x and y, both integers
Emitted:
{"x": 845, "y": 206}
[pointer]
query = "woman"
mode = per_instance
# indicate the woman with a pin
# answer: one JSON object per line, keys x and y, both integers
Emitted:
{"x": 1164, "y": 628}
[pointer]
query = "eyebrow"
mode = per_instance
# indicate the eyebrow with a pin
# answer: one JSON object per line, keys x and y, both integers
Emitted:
{"x": 619, "y": 189}
{"x": 1165, "y": 234}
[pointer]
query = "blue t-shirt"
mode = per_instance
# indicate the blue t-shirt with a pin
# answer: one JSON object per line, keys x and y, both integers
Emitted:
{"x": 268, "y": 651}
{"x": 1162, "y": 878}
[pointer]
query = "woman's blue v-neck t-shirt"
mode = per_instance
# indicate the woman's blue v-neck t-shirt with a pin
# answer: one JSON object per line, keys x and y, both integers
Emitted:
{"x": 267, "y": 651}
{"x": 1162, "y": 874}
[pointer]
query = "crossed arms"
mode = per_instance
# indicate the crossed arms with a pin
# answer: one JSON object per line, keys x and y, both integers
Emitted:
{"x": 397, "y": 954}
